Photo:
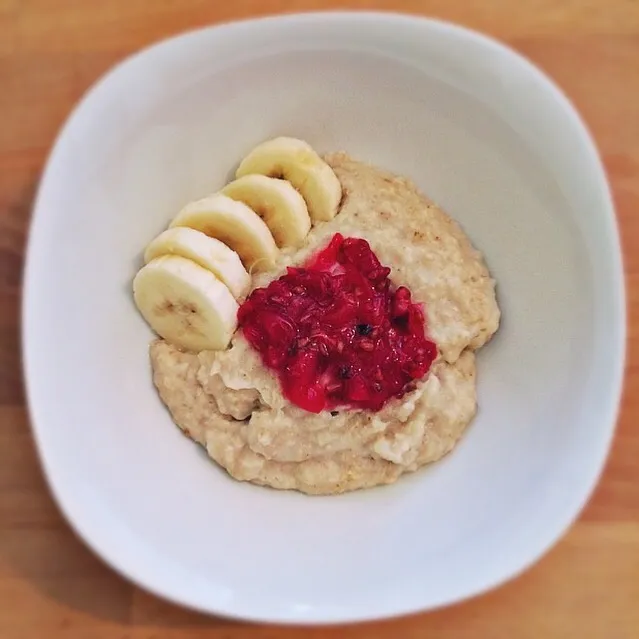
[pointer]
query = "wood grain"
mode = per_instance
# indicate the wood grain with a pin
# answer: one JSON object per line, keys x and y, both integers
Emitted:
{"x": 50, "y": 53}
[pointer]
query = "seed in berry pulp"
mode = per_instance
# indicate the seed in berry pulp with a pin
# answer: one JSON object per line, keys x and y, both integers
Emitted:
{"x": 364, "y": 329}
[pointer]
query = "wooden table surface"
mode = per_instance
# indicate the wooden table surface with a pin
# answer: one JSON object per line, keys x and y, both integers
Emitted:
{"x": 51, "y": 51}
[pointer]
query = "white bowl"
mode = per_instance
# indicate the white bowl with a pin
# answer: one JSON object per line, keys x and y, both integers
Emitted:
{"x": 481, "y": 131}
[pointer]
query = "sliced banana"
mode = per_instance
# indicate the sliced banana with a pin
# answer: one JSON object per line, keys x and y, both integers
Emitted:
{"x": 185, "y": 303}
{"x": 296, "y": 161}
{"x": 206, "y": 251}
{"x": 236, "y": 225}
{"x": 277, "y": 202}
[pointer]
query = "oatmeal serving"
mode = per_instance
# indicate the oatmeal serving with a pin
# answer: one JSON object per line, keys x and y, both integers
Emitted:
{"x": 328, "y": 343}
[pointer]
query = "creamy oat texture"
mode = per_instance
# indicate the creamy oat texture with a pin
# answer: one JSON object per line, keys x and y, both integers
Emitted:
{"x": 232, "y": 405}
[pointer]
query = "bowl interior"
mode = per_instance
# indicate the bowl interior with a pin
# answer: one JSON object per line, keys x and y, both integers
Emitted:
{"x": 481, "y": 132}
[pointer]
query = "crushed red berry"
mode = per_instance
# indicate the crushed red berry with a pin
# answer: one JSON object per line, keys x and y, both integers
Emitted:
{"x": 336, "y": 333}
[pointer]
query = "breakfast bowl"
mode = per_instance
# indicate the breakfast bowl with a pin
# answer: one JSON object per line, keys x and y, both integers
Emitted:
{"x": 488, "y": 138}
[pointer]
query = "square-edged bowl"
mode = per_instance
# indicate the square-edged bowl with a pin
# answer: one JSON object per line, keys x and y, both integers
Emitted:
{"x": 483, "y": 133}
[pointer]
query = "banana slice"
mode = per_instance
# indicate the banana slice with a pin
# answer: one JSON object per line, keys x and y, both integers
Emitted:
{"x": 296, "y": 161}
{"x": 185, "y": 303}
{"x": 236, "y": 225}
{"x": 206, "y": 251}
{"x": 277, "y": 203}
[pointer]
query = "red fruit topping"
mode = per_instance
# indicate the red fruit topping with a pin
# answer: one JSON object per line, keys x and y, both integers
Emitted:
{"x": 335, "y": 331}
